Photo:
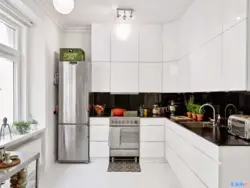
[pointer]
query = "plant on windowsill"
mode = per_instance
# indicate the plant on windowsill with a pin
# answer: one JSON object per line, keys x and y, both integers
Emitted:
{"x": 189, "y": 106}
{"x": 22, "y": 127}
{"x": 33, "y": 124}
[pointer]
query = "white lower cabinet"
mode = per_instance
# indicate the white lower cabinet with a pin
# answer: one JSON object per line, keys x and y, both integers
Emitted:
{"x": 99, "y": 149}
{"x": 152, "y": 149}
{"x": 187, "y": 178}
{"x": 99, "y": 133}
{"x": 193, "y": 167}
{"x": 152, "y": 133}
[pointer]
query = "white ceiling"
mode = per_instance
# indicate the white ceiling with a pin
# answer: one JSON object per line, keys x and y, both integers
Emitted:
{"x": 147, "y": 11}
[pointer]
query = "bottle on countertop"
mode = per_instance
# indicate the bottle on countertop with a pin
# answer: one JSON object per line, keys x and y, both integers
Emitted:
{"x": 141, "y": 110}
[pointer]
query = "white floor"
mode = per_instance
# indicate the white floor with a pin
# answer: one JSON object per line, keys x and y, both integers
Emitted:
{"x": 95, "y": 175}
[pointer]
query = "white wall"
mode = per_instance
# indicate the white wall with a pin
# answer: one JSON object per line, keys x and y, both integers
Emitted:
{"x": 43, "y": 41}
{"x": 78, "y": 40}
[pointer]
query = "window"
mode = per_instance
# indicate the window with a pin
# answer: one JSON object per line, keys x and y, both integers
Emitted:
{"x": 7, "y": 35}
{"x": 8, "y": 61}
{"x": 6, "y": 89}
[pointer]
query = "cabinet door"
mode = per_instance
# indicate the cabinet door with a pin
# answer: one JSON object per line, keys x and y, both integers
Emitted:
{"x": 150, "y": 77}
{"x": 124, "y": 49}
{"x": 171, "y": 77}
{"x": 99, "y": 149}
{"x": 150, "y": 43}
{"x": 234, "y": 11}
{"x": 171, "y": 41}
{"x": 99, "y": 133}
{"x": 101, "y": 77}
{"x": 124, "y": 77}
{"x": 100, "y": 39}
{"x": 152, "y": 149}
{"x": 234, "y": 58}
{"x": 207, "y": 67}
{"x": 152, "y": 134}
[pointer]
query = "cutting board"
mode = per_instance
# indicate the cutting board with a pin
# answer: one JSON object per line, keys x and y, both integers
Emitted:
{"x": 180, "y": 118}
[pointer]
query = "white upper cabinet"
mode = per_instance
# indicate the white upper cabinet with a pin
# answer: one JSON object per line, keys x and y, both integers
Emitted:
{"x": 100, "y": 38}
{"x": 100, "y": 77}
{"x": 206, "y": 67}
{"x": 234, "y": 67}
{"x": 234, "y": 11}
{"x": 124, "y": 43}
{"x": 171, "y": 77}
{"x": 171, "y": 41}
{"x": 124, "y": 77}
{"x": 150, "y": 77}
{"x": 150, "y": 43}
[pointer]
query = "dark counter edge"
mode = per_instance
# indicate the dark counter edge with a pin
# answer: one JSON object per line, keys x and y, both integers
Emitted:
{"x": 222, "y": 138}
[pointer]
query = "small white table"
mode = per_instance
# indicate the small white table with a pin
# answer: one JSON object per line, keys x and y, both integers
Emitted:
{"x": 26, "y": 159}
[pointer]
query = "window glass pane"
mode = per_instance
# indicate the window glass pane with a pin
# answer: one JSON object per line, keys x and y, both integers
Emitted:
{"x": 6, "y": 89}
{"x": 7, "y": 35}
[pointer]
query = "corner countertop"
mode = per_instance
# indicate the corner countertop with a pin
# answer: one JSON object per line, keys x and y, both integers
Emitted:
{"x": 16, "y": 139}
{"x": 217, "y": 135}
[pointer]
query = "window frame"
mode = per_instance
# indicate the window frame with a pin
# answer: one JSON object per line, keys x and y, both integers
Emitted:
{"x": 15, "y": 54}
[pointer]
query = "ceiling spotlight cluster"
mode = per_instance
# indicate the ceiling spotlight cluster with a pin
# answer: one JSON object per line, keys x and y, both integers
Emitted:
{"x": 125, "y": 14}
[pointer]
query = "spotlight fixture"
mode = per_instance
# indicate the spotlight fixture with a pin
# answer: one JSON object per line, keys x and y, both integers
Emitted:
{"x": 125, "y": 14}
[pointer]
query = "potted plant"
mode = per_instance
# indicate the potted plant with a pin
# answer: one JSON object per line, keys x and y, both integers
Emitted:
{"x": 189, "y": 106}
{"x": 22, "y": 127}
{"x": 194, "y": 110}
{"x": 200, "y": 113}
{"x": 33, "y": 124}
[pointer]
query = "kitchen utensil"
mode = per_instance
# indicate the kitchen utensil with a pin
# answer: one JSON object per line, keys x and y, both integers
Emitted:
{"x": 7, "y": 159}
{"x": 156, "y": 110}
{"x": 118, "y": 111}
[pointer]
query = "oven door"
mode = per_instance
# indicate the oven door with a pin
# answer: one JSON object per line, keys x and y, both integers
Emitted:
{"x": 124, "y": 138}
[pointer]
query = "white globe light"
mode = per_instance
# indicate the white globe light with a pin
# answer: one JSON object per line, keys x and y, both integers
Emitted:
{"x": 123, "y": 31}
{"x": 64, "y": 6}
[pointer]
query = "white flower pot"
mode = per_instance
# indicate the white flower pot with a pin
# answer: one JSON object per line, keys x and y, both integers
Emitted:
{"x": 34, "y": 126}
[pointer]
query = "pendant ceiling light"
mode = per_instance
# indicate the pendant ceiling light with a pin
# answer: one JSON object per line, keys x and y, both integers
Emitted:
{"x": 64, "y": 6}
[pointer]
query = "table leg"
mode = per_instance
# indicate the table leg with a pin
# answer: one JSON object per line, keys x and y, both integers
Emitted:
{"x": 37, "y": 173}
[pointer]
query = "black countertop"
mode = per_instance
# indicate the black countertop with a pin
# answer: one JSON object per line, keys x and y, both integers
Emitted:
{"x": 218, "y": 135}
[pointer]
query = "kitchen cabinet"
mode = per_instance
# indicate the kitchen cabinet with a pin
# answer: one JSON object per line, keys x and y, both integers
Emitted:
{"x": 234, "y": 66}
{"x": 152, "y": 138}
{"x": 234, "y": 11}
{"x": 104, "y": 121}
{"x": 171, "y": 41}
{"x": 150, "y": 43}
{"x": 186, "y": 177}
{"x": 152, "y": 121}
{"x": 171, "y": 77}
{"x": 99, "y": 133}
{"x": 152, "y": 149}
{"x": 99, "y": 150}
{"x": 180, "y": 146}
{"x": 100, "y": 77}
{"x": 124, "y": 77}
{"x": 100, "y": 42}
{"x": 150, "y": 77}
{"x": 152, "y": 134}
{"x": 124, "y": 49}
{"x": 206, "y": 66}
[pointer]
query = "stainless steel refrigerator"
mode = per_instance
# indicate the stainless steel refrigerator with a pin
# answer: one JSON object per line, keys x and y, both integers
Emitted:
{"x": 73, "y": 120}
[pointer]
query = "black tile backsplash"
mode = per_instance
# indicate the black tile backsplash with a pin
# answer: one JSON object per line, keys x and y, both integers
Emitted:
{"x": 132, "y": 102}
